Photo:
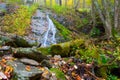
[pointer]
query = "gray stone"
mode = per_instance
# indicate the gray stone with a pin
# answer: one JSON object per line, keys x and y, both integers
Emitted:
{"x": 46, "y": 63}
{"x": 20, "y": 73}
{"x": 29, "y": 62}
{"x": 57, "y": 57}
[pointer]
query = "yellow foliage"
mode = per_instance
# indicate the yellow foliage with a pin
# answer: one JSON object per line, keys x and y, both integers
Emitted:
{"x": 70, "y": 3}
{"x": 19, "y": 21}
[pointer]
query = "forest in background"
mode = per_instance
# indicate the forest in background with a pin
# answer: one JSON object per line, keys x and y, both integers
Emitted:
{"x": 89, "y": 45}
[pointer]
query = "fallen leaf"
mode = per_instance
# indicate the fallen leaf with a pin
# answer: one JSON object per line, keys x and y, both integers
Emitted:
{"x": 40, "y": 68}
{"x": 73, "y": 74}
{"x": 8, "y": 69}
{"x": 4, "y": 61}
{"x": 28, "y": 68}
{"x": 78, "y": 77}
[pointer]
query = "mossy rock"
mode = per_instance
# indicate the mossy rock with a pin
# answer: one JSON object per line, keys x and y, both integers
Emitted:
{"x": 5, "y": 40}
{"x": 77, "y": 42}
{"x": 60, "y": 49}
{"x": 64, "y": 49}
{"x": 44, "y": 50}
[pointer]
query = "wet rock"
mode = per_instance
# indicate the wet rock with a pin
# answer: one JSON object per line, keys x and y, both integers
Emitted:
{"x": 39, "y": 26}
{"x": 20, "y": 72}
{"x": 5, "y": 48}
{"x": 43, "y": 30}
{"x": 29, "y": 62}
{"x": 46, "y": 63}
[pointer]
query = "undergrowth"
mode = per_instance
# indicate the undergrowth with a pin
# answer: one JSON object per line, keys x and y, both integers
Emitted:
{"x": 19, "y": 21}
{"x": 13, "y": 1}
{"x": 104, "y": 54}
{"x": 59, "y": 9}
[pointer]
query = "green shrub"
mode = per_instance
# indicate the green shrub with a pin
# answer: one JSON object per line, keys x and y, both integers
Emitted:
{"x": 59, "y": 9}
{"x": 95, "y": 32}
{"x": 112, "y": 77}
{"x": 59, "y": 74}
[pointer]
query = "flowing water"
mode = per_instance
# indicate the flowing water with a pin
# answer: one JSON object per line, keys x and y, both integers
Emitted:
{"x": 43, "y": 29}
{"x": 49, "y": 37}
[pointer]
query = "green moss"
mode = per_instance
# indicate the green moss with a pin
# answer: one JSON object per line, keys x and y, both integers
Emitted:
{"x": 56, "y": 49}
{"x": 66, "y": 59}
{"x": 63, "y": 30}
{"x": 60, "y": 49}
{"x": 59, "y": 74}
{"x": 64, "y": 49}
{"x": 77, "y": 42}
{"x": 112, "y": 77}
{"x": 95, "y": 32}
{"x": 45, "y": 51}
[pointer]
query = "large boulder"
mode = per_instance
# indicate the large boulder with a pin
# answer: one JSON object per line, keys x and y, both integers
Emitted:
{"x": 65, "y": 48}
{"x": 20, "y": 72}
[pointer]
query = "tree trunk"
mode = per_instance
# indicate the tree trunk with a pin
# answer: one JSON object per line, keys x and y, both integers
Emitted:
{"x": 116, "y": 14}
{"x": 93, "y": 13}
{"x": 83, "y": 4}
{"x": 108, "y": 19}
{"x": 60, "y": 2}
{"x": 45, "y": 2}
{"x": 51, "y": 3}
{"x": 77, "y": 4}
{"x": 66, "y": 3}
{"x": 105, "y": 18}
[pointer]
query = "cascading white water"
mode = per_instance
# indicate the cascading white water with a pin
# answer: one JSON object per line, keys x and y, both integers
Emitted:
{"x": 49, "y": 37}
{"x": 43, "y": 30}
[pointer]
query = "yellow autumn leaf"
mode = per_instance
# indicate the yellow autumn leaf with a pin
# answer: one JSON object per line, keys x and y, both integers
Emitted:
{"x": 8, "y": 69}
{"x": 28, "y": 68}
{"x": 4, "y": 61}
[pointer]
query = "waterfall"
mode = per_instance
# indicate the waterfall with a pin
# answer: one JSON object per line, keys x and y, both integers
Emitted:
{"x": 43, "y": 31}
{"x": 49, "y": 37}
